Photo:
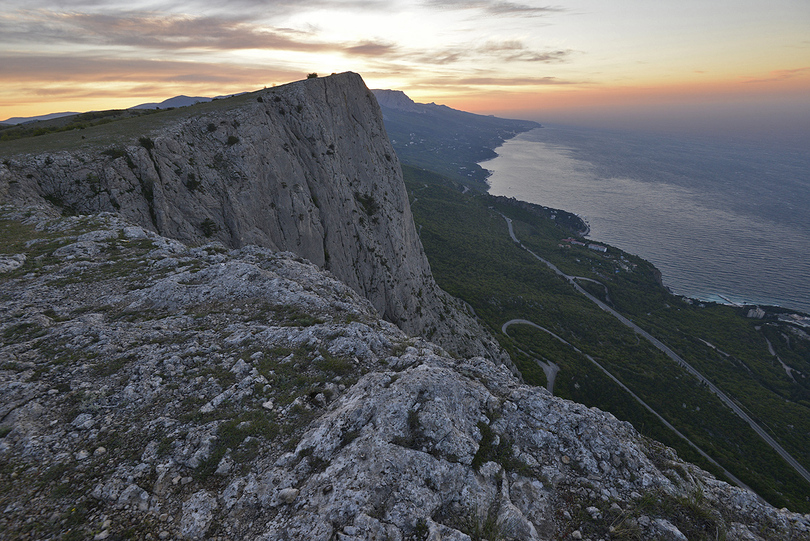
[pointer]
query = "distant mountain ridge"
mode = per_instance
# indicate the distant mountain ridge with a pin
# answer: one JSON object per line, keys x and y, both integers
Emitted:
{"x": 445, "y": 140}
{"x": 176, "y": 101}
{"x": 21, "y": 119}
{"x": 397, "y": 99}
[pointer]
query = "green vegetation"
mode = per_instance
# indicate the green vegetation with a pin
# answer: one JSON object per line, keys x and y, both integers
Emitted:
{"x": 113, "y": 365}
{"x": 367, "y": 202}
{"x": 413, "y": 439}
{"x": 285, "y": 316}
{"x": 115, "y": 152}
{"x": 472, "y": 257}
{"x": 209, "y": 227}
{"x": 480, "y": 525}
{"x": 79, "y": 121}
{"x": 241, "y": 436}
{"x": 146, "y": 143}
{"x": 99, "y": 131}
{"x": 192, "y": 183}
{"x": 692, "y": 515}
{"x": 495, "y": 448}
{"x": 450, "y": 142}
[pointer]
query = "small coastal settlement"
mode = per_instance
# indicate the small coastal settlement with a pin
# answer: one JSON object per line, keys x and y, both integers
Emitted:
{"x": 622, "y": 262}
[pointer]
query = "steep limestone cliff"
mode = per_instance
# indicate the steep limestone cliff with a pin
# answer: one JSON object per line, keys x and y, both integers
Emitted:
{"x": 306, "y": 167}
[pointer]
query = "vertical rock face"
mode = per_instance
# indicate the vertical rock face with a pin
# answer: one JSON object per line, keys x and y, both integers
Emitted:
{"x": 306, "y": 168}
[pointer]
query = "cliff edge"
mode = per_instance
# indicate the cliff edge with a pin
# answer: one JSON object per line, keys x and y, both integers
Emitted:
{"x": 306, "y": 167}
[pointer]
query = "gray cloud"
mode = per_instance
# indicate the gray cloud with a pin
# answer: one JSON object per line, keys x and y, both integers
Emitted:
{"x": 370, "y": 48}
{"x": 506, "y": 51}
{"x": 516, "y": 51}
{"x": 100, "y": 68}
{"x": 513, "y": 81}
{"x": 171, "y": 33}
{"x": 438, "y": 58}
{"x": 495, "y": 7}
{"x": 257, "y": 7}
{"x": 151, "y": 30}
{"x": 460, "y": 81}
{"x": 272, "y": 9}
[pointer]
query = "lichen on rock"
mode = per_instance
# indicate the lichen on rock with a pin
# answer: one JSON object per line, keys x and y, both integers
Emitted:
{"x": 148, "y": 388}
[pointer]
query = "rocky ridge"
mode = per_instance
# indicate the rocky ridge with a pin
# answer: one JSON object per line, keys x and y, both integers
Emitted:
{"x": 397, "y": 99}
{"x": 305, "y": 167}
{"x": 443, "y": 140}
{"x": 154, "y": 390}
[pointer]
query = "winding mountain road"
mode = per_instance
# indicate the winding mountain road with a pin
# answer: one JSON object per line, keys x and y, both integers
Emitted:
{"x": 638, "y": 399}
{"x": 725, "y": 399}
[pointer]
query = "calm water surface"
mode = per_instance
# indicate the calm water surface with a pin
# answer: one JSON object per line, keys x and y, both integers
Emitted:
{"x": 718, "y": 219}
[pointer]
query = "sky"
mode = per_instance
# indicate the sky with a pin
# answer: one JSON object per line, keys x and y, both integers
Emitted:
{"x": 685, "y": 64}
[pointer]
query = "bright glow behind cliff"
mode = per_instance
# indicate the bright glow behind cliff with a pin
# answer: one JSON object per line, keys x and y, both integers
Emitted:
{"x": 655, "y": 62}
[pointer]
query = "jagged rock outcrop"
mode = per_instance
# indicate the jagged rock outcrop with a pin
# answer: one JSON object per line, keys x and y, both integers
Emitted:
{"x": 397, "y": 99}
{"x": 152, "y": 390}
{"x": 306, "y": 168}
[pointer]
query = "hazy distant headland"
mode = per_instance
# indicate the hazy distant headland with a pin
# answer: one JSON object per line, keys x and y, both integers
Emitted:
{"x": 445, "y": 140}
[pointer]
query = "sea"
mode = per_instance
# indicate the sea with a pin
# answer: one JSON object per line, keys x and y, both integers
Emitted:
{"x": 724, "y": 220}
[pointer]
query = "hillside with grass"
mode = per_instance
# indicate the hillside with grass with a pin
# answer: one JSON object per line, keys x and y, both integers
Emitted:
{"x": 473, "y": 257}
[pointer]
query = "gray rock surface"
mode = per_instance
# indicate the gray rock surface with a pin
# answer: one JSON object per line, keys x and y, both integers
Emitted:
{"x": 306, "y": 168}
{"x": 396, "y": 99}
{"x": 247, "y": 394}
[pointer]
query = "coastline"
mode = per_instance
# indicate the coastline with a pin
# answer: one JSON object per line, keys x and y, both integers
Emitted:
{"x": 769, "y": 306}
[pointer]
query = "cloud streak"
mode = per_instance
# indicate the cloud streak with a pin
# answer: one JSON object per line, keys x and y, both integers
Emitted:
{"x": 255, "y": 7}
{"x": 371, "y": 48}
{"x": 514, "y": 81}
{"x": 141, "y": 30}
{"x": 782, "y": 75}
{"x": 450, "y": 82}
{"x": 27, "y": 69}
{"x": 516, "y": 51}
{"x": 501, "y": 8}
{"x": 506, "y": 51}
{"x": 181, "y": 33}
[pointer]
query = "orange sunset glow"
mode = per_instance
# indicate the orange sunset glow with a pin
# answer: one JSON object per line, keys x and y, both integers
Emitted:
{"x": 558, "y": 62}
